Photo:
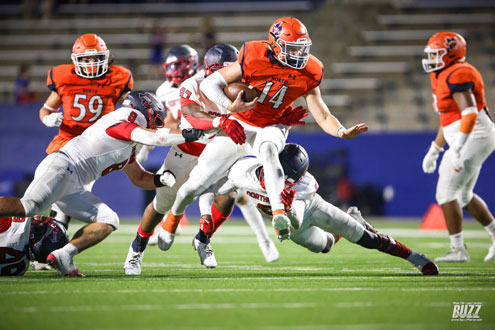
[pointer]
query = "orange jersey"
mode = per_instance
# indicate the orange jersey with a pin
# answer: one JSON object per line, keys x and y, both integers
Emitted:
{"x": 458, "y": 77}
{"x": 279, "y": 85}
{"x": 85, "y": 100}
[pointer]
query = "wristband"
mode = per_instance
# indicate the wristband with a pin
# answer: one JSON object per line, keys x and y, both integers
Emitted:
{"x": 49, "y": 107}
{"x": 340, "y": 131}
{"x": 156, "y": 181}
{"x": 216, "y": 122}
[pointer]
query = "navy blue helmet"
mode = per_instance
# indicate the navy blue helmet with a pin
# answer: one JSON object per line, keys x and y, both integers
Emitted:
{"x": 149, "y": 105}
{"x": 181, "y": 62}
{"x": 46, "y": 235}
{"x": 219, "y": 56}
{"x": 294, "y": 160}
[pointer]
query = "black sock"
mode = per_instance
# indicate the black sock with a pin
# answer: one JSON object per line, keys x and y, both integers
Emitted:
{"x": 139, "y": 244}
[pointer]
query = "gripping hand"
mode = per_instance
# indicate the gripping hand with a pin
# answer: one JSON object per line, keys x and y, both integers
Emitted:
{"x": 288, "y": 198}
{"x": 430, "y": 159}
{"x": 233, "y": 129}
{"x": 53, "y": 119}
{"x": 192, "y": 134}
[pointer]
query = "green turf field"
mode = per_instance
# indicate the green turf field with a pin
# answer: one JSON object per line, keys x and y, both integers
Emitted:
{"x": 349, "y": 288}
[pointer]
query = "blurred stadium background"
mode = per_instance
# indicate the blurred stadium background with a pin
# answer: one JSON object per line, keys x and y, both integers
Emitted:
{"x": 371, "y": 50}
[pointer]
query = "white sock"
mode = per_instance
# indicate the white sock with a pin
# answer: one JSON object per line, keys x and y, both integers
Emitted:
{"x": 457, "y": 240}
{"x": 490, "y": 229}
{"x": 255, "y": 220}
{"x": 70, "y": 249}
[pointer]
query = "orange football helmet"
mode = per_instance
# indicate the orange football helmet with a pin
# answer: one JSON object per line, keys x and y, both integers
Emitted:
{"x": 443, "y": 49}
{"x": 290, "y": 42}
{"x": 90, "y": 56}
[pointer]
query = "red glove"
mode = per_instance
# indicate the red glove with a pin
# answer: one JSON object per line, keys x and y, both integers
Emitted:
{"x": 295, "y": 116}
{"x": 233, "y": 129}
{"x": 288, "y": 198}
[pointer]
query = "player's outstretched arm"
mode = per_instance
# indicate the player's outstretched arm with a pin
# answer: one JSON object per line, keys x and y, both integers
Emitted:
{"x": 328, "y": 122}
{"x": 165, "y": 136}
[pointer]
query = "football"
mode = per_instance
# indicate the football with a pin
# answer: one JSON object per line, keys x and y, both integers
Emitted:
{"x": 231, "y": 90}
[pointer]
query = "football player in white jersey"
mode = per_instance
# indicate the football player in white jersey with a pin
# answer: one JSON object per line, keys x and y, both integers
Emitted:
{"x": 24, "y": 239}
{"x": 181, "y": 63}
{"x": 197, "y": 111}
{"x": 315, "y": 222}
{"x": 106, "y": 146}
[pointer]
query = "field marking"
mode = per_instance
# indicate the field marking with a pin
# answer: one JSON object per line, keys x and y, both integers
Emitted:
{"x": 237, "y": 290}
{"x": 105, "y": 308}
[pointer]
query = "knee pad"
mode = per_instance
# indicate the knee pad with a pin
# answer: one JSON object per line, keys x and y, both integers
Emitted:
{"x": 109, "y": 217}
{"x": 444, "y": 196}
{"x": 465, "y": 198}
{"x": 163, "y": 201}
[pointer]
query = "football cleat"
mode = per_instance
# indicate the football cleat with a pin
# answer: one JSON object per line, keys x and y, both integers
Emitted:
{"x": 281, "y": 223}
{"x": 354, "y": 212}
{"x": 205, "y": 253}
{"x": 165, "y": 239}
{"x": 455, "y": 255}
{"x": 35, "y": 265}
{"x": 491, "y": 253}
{"x": 421, "y": 262}
{"x": 154, "y": 239}
{"x": 132, "y": 265}
{"x": 63, "y": 263}
{"x": 269, "y": 250}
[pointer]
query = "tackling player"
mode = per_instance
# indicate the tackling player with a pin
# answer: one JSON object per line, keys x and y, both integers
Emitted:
{"x": 315, "y": 221}
{"x": 466, "y": 125}
{"x": 28, "y": 238}
{"x": 198, "y": 112}
{"x": 108, "y": 145}
{"x": 87, "y": 90}
{"x": 282, "y": 70}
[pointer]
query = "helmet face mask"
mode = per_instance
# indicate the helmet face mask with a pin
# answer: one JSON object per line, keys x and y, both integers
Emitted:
{"x": 149, "y": 106}
{"x": 442, "y": 50}
{"x": 219, "y": 56}
{"x": 290, "y": 42}
{"x": 181, "y": 63}
{"x": 90, "y": 56}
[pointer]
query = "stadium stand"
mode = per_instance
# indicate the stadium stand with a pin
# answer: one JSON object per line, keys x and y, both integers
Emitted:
{"x": 371, "y": 49}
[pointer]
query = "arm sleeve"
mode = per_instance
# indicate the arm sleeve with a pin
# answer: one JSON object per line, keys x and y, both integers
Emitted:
{"x": 121, "y": 131}
{"x": 212, "y": 87}
{"x": 161, "y": 137}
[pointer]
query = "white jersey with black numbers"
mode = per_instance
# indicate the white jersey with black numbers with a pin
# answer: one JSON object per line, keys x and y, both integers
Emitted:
{"x": 244, "y": 175}
{"x": 95, "y": 153}
{"x": 169, "y": 95}
{"x": 14, "y": 240}
{"x": 190, "y": 90}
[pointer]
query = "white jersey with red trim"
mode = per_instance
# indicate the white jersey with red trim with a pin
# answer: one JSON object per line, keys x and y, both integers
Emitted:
{"x": 95, "y": 153}
{"x": 189, "y": 90}
{"x": 243, "y": 175}
{"x": 169, "y": 95}
{"x": 14, "y": 240}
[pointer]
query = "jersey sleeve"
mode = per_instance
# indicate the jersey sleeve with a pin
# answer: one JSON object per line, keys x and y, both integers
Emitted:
{"x": 121, "y": 131}
{"x": 50, "y": 82}
{"x": 461, "y": 80}
{"x": 315, "y": 68}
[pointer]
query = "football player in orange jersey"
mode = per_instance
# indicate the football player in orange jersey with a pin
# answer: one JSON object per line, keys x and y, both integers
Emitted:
{"x": 282, "y": 69}
{"x": 466, "y": 125}
{"x": 87, "y": 89}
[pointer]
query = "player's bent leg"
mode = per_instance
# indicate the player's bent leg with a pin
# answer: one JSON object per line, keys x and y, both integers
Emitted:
{"x": 255, "y": 221}
{"x": 60, "y": 216}
{"x": 387, "y": 244}
{"x": 313, "y": 238}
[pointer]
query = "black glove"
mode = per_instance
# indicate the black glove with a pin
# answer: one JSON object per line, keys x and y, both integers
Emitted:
{"x": 192, "y": 134}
